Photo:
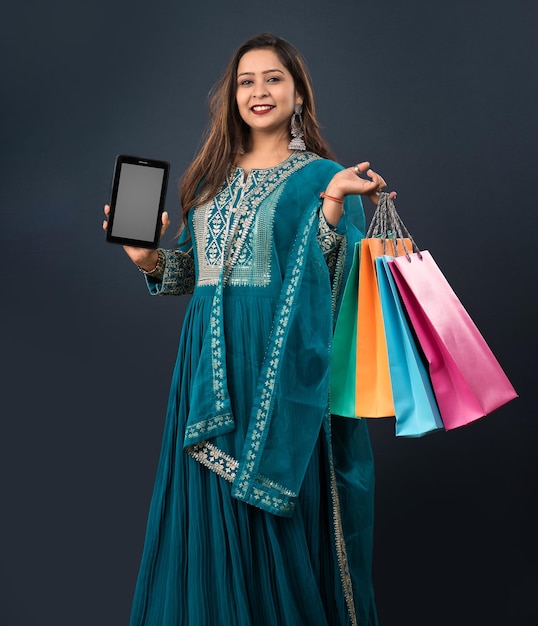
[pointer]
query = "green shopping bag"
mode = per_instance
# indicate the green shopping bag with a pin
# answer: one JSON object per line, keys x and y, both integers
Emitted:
{"x": 344, "y": 349}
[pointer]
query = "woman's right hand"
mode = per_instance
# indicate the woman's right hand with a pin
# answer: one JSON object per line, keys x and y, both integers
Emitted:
{"x": 142, "y": 257}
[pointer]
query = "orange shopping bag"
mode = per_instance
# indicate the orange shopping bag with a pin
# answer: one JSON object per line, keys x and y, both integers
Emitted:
{"x": 373, "y": 393}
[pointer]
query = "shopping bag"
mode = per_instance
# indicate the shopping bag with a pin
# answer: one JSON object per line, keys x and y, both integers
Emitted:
{"x": 467, "y": 379}
{"x": 343, "y": 353}
{"x": 415, "y": 406}
{"x": 373, "y": 392}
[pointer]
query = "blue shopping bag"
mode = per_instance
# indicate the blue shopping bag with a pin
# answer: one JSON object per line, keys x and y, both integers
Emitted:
{"x": 415, "y": 406}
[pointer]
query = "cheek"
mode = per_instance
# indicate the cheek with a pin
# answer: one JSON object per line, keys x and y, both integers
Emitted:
{"x": 242, "y": 108}
{"x": 240, "y": 102}
{"x": 290, "y": 99}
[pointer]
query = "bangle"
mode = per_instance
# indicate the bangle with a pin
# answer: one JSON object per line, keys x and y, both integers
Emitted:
{"x": 159, "y": 267}
{"x": 324, "y": 195}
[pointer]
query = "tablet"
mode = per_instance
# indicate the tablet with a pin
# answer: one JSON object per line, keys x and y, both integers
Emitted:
{"x": 137, "y": 202}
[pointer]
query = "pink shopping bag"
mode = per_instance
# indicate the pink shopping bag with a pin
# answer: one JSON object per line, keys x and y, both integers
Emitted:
{"x": 467, "y": 379}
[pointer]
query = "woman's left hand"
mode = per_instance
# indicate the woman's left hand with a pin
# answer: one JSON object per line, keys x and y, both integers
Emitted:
{"x": 348, "y": 182}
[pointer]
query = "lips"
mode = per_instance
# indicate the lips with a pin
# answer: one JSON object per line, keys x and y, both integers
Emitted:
{"x": 261, "y": 109}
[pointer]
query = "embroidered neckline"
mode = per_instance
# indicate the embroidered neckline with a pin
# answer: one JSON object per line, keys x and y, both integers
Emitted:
{"x": 235, "y": 168}
{"x": 225, "y": 221}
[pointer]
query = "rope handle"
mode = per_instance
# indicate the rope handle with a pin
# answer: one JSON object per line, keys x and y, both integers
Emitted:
{"x": 387, "y": 224}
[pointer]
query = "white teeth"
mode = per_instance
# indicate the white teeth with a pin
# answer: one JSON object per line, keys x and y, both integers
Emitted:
{"x": 262, "y": 107}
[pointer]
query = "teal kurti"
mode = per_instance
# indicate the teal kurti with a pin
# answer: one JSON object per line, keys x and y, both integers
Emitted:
{"x": 262, "y": 512}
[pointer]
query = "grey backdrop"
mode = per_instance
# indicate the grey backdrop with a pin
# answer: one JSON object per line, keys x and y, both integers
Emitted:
{"x": 441, "y": 98}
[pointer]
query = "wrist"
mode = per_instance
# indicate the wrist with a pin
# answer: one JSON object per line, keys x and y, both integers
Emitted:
{"x": 151, "y": 264}
{"x": 325, "y": 196}
{"x": 334, "y": 190}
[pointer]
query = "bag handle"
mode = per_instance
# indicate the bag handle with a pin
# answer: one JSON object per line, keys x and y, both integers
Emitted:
{"x": 387, "y": 224}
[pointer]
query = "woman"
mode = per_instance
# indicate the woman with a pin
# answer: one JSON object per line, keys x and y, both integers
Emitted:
{"x": 262, "y": 510}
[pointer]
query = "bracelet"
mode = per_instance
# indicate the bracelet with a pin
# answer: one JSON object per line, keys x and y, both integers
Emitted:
{"x": 159, "y": 267}
{"x": 324, "y": 195}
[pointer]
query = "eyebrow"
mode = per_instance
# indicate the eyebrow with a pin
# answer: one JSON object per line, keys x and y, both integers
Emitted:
{"x": 264, "y": 72}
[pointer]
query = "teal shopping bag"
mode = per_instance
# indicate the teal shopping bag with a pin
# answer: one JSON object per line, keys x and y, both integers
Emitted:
{"x": 344, "y": 348}
{"x": 415, "y": 406}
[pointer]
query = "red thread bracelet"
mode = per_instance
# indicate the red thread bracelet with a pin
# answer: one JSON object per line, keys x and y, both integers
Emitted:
{"x": 324, "y": 195}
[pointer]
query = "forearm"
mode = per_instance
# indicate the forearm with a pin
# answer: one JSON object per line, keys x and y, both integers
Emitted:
{"x": 333, "y": 205}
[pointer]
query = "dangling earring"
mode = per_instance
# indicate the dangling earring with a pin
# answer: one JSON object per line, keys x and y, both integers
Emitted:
{"x": 297, "y": 143}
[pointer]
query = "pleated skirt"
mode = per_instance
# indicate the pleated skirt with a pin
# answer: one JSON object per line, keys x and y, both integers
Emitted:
{"x": 211, "y": 560}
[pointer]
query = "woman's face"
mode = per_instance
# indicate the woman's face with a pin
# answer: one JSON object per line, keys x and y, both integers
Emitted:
{"x": 266, "y": 95}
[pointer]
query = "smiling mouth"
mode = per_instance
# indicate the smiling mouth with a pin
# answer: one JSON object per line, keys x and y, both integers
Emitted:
{"x": 262, "y": 108}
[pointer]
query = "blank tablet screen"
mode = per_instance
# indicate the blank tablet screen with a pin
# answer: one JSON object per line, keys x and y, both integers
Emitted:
{"x": 137, "y": 201}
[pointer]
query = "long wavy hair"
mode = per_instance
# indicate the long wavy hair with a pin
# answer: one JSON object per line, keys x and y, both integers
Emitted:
{"x": 227, "y": 133}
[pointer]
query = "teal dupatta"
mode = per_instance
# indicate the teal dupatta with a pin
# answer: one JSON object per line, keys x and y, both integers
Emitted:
{"x": 291, "y": 400}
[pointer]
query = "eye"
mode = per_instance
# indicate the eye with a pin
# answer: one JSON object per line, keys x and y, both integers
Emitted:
{"x": 245, "y": 82}
{"x": 273, "y": 79}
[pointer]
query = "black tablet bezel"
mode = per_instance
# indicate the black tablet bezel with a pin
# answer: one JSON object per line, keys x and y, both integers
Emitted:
{"x": 120, "y": 160}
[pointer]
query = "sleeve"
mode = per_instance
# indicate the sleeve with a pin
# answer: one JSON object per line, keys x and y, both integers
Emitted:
{"x": 329, "y": 240}
{"x": 332, "y": 239}
{"x": 178, "y": 274}
{"x": 177, "y": 277}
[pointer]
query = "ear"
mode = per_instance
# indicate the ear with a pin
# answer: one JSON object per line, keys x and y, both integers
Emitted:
{"x": 298, "y": 98}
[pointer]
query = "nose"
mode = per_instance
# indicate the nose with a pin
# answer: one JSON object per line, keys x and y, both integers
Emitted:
{"x": 260, "y": 89}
